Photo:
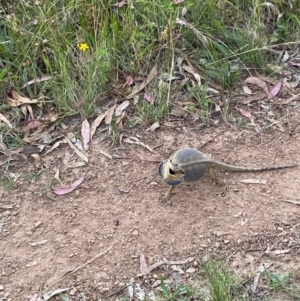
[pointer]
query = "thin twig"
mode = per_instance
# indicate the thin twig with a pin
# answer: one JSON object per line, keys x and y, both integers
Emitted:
{"x": 81, "y": 267}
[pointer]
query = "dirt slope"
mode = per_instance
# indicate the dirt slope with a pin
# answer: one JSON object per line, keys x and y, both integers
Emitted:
{"x": 119, "y": 202}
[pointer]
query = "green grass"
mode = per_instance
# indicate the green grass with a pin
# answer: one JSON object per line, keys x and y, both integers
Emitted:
{"x": 215, "y": 282}
{"x": 42, "y": 38}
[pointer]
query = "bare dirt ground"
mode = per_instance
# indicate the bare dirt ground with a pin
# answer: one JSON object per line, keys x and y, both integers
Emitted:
{"x": 118, "y": 205}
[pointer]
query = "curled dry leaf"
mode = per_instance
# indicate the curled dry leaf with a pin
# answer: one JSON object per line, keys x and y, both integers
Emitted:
{"x": 96, "y": 123}
{"x": 69, "y": 188}
{"x": 37, "y": 160}
{"x": 37, "y": 80}
{"x": 293, "y": 63}
{"x": 247, "y": 90}
{"x": 31, "y": 125}
{"x": 258, "y": 82}
{"x": 255, "y": 97}
{"x": 202, "y": 38}
{"x": 141, "y": 86}
{"x": 247, "y": 114}
{"x": 143, "y": 265}
{"x": 275, "y": 90}
{"x": 77, "y": 151}
{"x": 134, "y": 140}
{"x": 110, "y": 114}
{"x": 18, "y": 100}
{"x": 194, "y": 72}
{"x": 120, "y": 108}
{"x": 147, "y": 97}
{"x": 39, "y": 243}
{"x": 254, "y": 181}
{"x": 153, "y": 127}
{"x": 129, "y": 80}
{"x": 54, "y": 146}
{"x": 99, "y": 119}
{"x": 48, "y": 296}
{"x": 85, "y": 133}
{"x": 5, "y": 120}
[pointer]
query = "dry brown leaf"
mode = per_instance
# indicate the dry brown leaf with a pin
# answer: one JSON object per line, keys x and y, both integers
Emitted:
{"x": 248, "y": 115}
{"x": 54, "y": 146}
{"x": 31, "y": 125}
{"x": 134, "y": 140}
{"x": 39, "y": 243}
{"x": 178, "y": 112}
{"x": 105, "y": 154}
{"x": 86, "y": 134}
{"x": 202, "y": 38}
{"x": 275, "y": 90}
{"x": 288, "y": 100}
{"x": 75, "y": 164}
{"x": 110, "y": 114}
{"x": 99, "y": 119}
{"x": 247, "y": 90}
{"x": 24, "y": 111}
{"x": 292, "y": 202}
{"x": 120, "y": 108}
{"x": 153, "y": 127}
{"x": 37, "y": 160}
{"x": 143, "y": 265}
{"x": 57, "y": 173}
{"x": 5, "y": 120}
{"x": 258, "y": 82}
{"x": 193, "y": 71}
{"x": 18, "y": 100}
{"x": 30, "y": 149}
{"x": 77, "y": 151}
{"x": 254, "y": 181}
{"x": 69, "y": 188}
{"x": 29, "y": 109}
{"x": 141, "y": 86}
{"x": 255, "y": 97}
{"x": 37, "y": 80}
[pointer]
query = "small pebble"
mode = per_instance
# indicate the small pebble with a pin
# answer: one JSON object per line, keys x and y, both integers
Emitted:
{"x": 135, "y": 233}
{"x": 73, "y": 291}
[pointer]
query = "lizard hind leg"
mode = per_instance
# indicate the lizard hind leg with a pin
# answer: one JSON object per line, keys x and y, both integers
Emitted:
{"x": 213, "y": 176}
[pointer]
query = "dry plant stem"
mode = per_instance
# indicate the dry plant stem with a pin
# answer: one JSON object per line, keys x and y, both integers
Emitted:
{"x": 82, "y": 266}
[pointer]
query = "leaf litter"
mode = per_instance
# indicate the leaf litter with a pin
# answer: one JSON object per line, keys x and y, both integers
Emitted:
{"x": 68, "y": 188}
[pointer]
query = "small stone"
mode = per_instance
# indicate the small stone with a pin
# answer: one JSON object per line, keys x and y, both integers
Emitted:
{"x": 135, "y": 233}
{"x": 190, "y": 271}
{"x": 73, "y": 291}
{"x": 104, "y": 290}
{"x": 1, "y": 287}
{"x": 195, "y": 263}
{"x": 226, "y": 241}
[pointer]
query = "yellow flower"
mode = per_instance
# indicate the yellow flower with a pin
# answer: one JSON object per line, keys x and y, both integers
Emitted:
{"x": 83, "y": 46}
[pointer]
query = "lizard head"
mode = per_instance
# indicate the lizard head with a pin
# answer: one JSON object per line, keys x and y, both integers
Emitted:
{"x": 170, "y": 176}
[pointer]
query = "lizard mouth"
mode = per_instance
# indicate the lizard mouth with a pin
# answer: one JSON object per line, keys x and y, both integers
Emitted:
{"x": 170, "y": 176}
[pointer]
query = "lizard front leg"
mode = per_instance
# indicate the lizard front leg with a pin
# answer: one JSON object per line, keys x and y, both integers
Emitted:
{"x": 168, "y": 194}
